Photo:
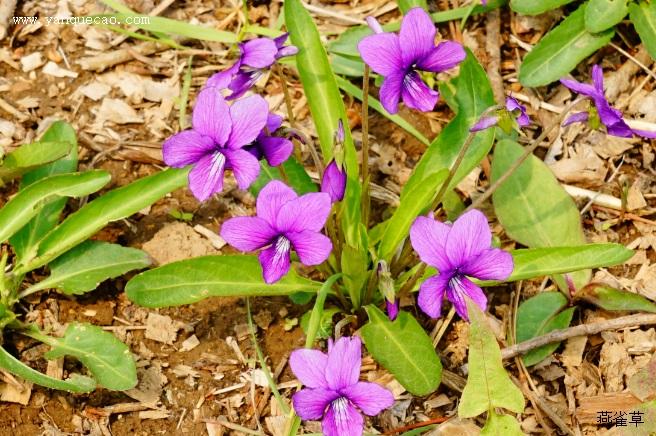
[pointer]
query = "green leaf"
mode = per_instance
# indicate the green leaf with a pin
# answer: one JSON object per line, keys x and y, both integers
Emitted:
{"x": 604, "y": 14}
{"x": 82, "y": 268}
{"x": 29, "y": 156}
{"x": 76, "y": 383}
{"x": 538, "y": 316}
{"x": 346, "y": 65}
{"x": 324, "y": 329}
{"x": 501, "y": 425}
{"x": 537, "y": 262}
{"x": 30, "y": 201}
{"x": 114, "y": 205}
{"x": 297, "y": 177}
{"x": 535, "y": 7}
{"x": 356, "y": 92}
{"x": 561, "y": 50}
{"x": 532, "y": 206}
{"x": 413, "y": 203}
{"x": 406, "y": 5}
{"x": 613, "y": 299}
{"x": 404, "y": 349}
{"x": 643, "y": 17}
{"x": 472, "y": 96}
{"x": 108, "y": 359}
{"x": 327, "y": 108}
{"x": 488, "y": 385}
{"x": 318, "y": 322}
{"x": 192, "y": 280}
{"x": 27, "y": 237}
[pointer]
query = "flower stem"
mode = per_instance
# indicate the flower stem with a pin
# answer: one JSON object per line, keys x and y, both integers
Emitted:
{"x": 453, "y": 170}
{"x": 527, "y": 152}
{"x": 366, "y": 201}
{"x": 290, "y": 110}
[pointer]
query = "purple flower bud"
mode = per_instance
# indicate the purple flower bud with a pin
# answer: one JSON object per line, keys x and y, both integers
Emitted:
{"x": 339, "y": 134}
{"x": 514, "y": 112}
{"x": 334, "y": 182}
{"x": 392, "y": 309}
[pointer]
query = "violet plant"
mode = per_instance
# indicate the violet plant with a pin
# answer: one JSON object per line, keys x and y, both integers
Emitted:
{"x": 309, "y": 240}
{"x": 35, "y": 238}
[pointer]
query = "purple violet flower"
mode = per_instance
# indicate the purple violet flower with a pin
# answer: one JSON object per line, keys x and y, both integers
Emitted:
{"x": 216, "y": 140}
{"x": 256, "y": 56}
{"x": 333, "y": 391}
{"x": 284, "y": 222}
{"x": 399, "y": 58}
{"x": 333, "y": 182}
{"x": 457, "y": 251}
{"x": 275, "y": 149}
{"x": 514, "y": 112}
{"x": 392, "y": 309}
{"x": 602, "y": 112}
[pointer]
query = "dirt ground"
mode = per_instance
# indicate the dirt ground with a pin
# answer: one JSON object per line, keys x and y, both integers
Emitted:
{"x": 197, "y": 364}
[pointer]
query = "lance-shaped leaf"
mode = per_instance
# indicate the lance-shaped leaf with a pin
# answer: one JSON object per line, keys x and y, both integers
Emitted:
{"x": 488, "y": 385}
{"x": 413, "y": 203}
{"x": 538, "y": 262}
{"x": 561, "y": 50}
{"x": 327, "y": 109}
{"x": 535, "y": 7}
{"x": 404, "y": 349}
{"x": 604, "y": 14}
{"x": 27, "y": 237}
{"x": 532, "y": 206}
{"x": 114, "y": 205}
{"x": 406, "y": 5}
{"x": 501, "y": 425}
{"x": 107, "y": 358}
{"x": 538, "y": 316}
{"x": 76, "y": 383}
{"x": 30, "y": 201}
{"x": 643, "y": 17}
{"x": 469, "y": 95}
{"x": 84, "y": 267}
{"x": 30, "y": 156}
{"x": 614, "y": 299}
{"x": 192, "y": 280}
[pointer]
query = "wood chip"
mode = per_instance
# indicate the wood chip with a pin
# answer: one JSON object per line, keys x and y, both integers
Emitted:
{"x": 52, "y": 69}
{"x": 190, "y": 343}
{"x": 13, "y": 394}
{"x": 161, "y": 328}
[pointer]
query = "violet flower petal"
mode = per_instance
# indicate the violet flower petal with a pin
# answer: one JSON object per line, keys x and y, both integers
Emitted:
{"x": 645, "y": 133}
{"x": 211, "y": 115}
{"x": 416, "y": 94}
{"x": 245, "y": 167}
{"x": 392, "y": 308}
{"x": 491, "y": 264}
{"x": 417, "y": 36}
{"x": 249, "y": 116}
{"x": 206, "y": 177}
{"x": 428, "y": 237}
{"x": 333, "y": 182}
{"x": 242, "y": 81}
{"x": 447, "y": 55}
{"x": 484, "y": 123}
{"x": 307, "y": 212}
{"x": 312, "y": 248}
{"x": 390, "y": 92}
{"x": 276, "y": 150}
{"x": 598, "y": 78}
{"x": 271, "y": 199}
{"x": 461, "y": 287}
{"x": 280, "y": 40}
{"x": 344, "y": 361}
{"x": 273, "y": 123}
{"x": 579, "y": 117}
{"x": 222, "y": 79}
{"x": 289, "y": 50}
{"x": 186, "y": 147}
{"x": 247, "y": 233}
{"x": 275, "y": 260}
{"x": 342, "y": 419}
{"x": 431, "y": 294}
{"x": 370, "y": 398}
{"x": 309, "y": 367}
{"x": 374, "y": 25}
{"x": 310, "y": 404}
{"x": 382, "y": 53}
{"x": 469, "y": 236}
{"x": 580, "y": 88}
{"x": 258, "y": 52}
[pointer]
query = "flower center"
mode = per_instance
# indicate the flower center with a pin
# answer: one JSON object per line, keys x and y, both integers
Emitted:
{"x": 340, "y": 407}
{"x": 282, "y": 248}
